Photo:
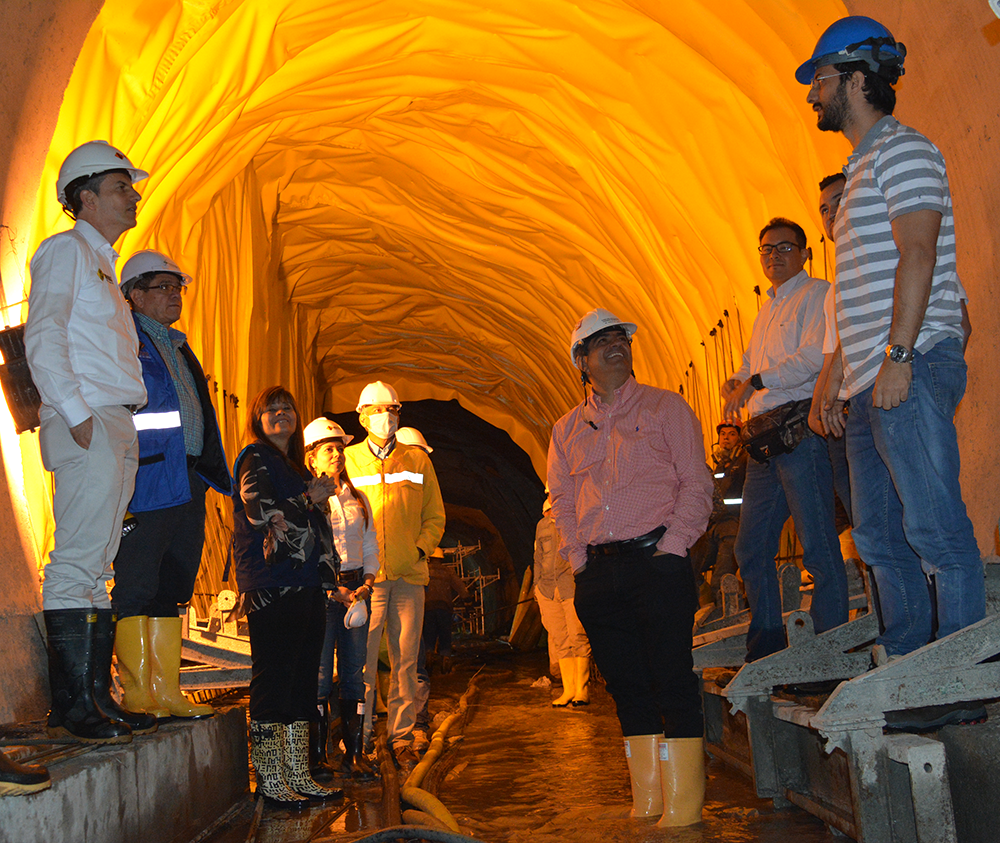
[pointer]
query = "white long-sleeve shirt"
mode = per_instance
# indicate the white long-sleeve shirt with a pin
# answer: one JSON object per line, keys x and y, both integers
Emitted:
{"x": 79, "y": 338}
{"x": 786, "y": 344}
{"x": 356, "y": 543}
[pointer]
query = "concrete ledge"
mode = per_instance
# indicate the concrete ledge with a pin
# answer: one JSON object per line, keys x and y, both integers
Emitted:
{"x": 161, "y": 788}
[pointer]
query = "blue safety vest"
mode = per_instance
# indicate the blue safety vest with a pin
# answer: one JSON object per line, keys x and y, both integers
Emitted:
{"x": 162, "y": 479}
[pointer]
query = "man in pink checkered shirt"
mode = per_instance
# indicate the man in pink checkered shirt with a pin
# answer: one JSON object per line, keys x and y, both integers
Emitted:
{"x": 631, "y": 493}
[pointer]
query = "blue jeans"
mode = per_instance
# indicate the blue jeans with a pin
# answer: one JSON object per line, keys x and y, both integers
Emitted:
{"x": 351, "y": 646}
{"x": 910, "y": 521}
{"x": 800, "y": 484}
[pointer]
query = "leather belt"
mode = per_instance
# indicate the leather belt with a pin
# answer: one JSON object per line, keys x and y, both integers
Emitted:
{"x": 627, "y": 545}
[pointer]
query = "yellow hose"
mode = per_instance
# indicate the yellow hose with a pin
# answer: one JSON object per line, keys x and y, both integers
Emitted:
{"x": 429, "y": 804}
{"x": 411, "y": 791}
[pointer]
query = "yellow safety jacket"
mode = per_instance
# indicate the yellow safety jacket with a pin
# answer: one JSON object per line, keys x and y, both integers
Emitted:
{"x": 406, "y": 505}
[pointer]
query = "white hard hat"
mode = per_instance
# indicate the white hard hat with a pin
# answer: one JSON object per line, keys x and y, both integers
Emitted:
{"x": 321, "y": 430}
{"x": 591, "y": 323}
{"x": 147, "y": 261}
{"x": 356, "y": 615}
{"x": 412, "y": 436}
{"x": 377, "y": 393}
{"x": 91, "y": 159}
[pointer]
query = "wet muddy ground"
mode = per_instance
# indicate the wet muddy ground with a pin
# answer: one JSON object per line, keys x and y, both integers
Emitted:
{"x": 524, "y": 771}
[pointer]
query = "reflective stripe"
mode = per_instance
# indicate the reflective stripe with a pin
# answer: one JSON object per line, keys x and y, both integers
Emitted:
{"x": 732, "y": 501}
{"x": 720, "y": 475}
{"x": 157, "y": 421}
{"x": 397, "y": 477}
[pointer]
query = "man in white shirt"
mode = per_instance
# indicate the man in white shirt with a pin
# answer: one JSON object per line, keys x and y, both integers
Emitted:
{"x": 779, "y": 369}
{"x": 82, "y": 350}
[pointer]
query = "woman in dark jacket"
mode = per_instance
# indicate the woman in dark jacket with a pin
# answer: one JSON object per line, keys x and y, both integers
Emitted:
{"x": 284, "y": 556}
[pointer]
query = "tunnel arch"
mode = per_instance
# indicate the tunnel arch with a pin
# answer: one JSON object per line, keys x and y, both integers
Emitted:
{"x": 586, "y": 173}
{"x": 434, "y": 195}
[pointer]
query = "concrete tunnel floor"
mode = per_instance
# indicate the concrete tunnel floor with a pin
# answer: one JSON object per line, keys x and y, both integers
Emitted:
{"x": 524, "y": 771}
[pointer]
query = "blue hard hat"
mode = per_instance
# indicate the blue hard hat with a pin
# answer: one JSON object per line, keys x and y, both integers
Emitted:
{"x": 854, "y": 38}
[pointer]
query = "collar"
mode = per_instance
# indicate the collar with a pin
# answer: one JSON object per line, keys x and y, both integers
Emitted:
{"x": 624, "y": 393}
{"x": 790, "y": 286}
{"x": 868, "y": 141}
{"x": 94, "y": 238}
{"x": 158, "y": 331}
{"x": 381, "y": 453}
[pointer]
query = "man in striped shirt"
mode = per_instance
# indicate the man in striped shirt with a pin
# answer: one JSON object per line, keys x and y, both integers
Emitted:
{"x": 899, "y": 317}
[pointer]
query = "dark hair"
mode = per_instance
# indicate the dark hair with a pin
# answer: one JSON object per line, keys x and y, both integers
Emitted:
{"x": 343, "y": 473}
{"x": 878, "y": 90}
{"x": 781, "y": 222}
{"x": 255, "y": 430}
{"x": 92, "y": 183}
{"x": 833, "y": 178}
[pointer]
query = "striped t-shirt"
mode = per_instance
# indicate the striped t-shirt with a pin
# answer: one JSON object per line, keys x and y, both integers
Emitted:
{"x": 893, "y": 171}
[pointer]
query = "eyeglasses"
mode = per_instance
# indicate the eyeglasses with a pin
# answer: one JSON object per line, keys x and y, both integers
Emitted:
{"x": 782, "y": 248}
{"x": 817, "y": 79}
{"x": 167, "y": 289}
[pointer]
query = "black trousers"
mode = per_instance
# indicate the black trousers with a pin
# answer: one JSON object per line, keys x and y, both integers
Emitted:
{"x": 286, "y": 639}
{"x": 437, "y": 630}
{"x": 638, "y": 611}
{"x": 158, "y": 559}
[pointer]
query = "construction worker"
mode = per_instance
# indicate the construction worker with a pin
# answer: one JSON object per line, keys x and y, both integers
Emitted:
{"x": 631, "y": 493}
{"x": 554, "y": 593}
{"x": 402, "y": 487}
{"x": 715, "y": 551}
{"x": 82, "y": 351}
{"x": 180, "y": 456}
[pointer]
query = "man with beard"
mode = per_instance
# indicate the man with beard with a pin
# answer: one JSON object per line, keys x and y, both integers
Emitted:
{"x": 899, "y": 316}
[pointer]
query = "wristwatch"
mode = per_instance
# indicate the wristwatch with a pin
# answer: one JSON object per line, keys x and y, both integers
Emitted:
{"x": 899, "y": 353}
{"x": 756, "y": 381}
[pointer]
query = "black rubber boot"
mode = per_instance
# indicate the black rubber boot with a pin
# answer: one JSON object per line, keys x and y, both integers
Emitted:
{"x": 19, "y": 779}
{"x": 354, "y": 764}
{"x": 74, "y": 713}
{"x": 319, "y": 732}
{"x": 104, "y": 645}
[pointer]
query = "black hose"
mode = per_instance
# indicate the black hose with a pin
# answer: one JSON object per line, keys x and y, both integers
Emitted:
{"x": 416, "y": 832}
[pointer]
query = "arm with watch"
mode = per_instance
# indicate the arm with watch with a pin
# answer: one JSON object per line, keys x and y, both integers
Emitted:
{"x": 915, "y": 235}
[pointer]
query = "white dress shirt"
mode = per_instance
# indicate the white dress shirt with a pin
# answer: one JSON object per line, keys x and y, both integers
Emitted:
{"x": 356, "y": 543}
{"x": 79, "y": 338}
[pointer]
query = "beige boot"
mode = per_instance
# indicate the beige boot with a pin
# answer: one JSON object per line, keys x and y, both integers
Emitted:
{"x": 567, "y": 669}
{"x": 165, "y": 665}
{"x": 682, "y": 777}
{"x": 132, "y": 650}
{"x": 266, "y": 753}
{"x": 642, "y": 752}
{"x": 581, "y": 695}
{"x": 295, "y": 761}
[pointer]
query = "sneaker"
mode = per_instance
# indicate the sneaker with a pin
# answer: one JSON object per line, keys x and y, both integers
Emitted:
{"x": 932, "y": 717}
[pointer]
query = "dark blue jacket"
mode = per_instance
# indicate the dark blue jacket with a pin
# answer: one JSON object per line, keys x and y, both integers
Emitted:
{"x": 162, "y": 479}
{"x": 253, "y": 571}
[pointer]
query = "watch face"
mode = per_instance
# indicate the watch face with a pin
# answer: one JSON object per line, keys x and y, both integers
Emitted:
{"x": 899, "y": 354}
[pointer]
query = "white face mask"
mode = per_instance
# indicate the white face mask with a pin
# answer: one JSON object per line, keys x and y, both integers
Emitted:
{"x": 383, "y": 425}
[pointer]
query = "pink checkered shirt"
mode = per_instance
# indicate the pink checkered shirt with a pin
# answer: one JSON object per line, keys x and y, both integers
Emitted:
{"x": 643, "y": 467}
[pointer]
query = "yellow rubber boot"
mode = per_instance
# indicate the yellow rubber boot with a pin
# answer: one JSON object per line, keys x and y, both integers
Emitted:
{"x": 581, "y": 695}
{"x": 165, "y": 665}
{"x": 682, "y": 777}
{"x": 567, "y": 669}
{"x": 642, "y": 753}
{"x": 132, "y": 651}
